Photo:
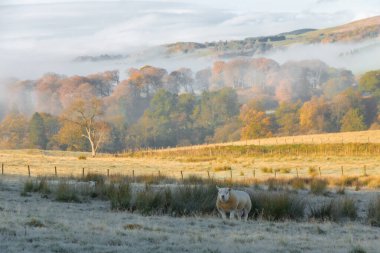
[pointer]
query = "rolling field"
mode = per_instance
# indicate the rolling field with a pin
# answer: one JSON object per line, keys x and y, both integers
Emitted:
{"x": 35, "y": 221}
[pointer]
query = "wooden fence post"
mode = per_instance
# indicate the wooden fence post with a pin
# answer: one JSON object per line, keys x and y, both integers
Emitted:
{"x": 159, "y": 173}
{"x": 29, "y": 170}
{"x": 55, "y": 171}
{"x": 133, "y": 174}
{"x": 82, "y": 172}
{"x": 275, "y": 173}
{"x": 208, "y": 174}
{"x": 108, "y": 172}
{"x": 254, "y": 172}
{"x": 342, "y": 170}
{"x": 2, "y": 169}
{"x": 182, "y": 175}
{"x": 297, "y": 172}
{"x": 320, "y": 174}
{"x": 231, "y": 173}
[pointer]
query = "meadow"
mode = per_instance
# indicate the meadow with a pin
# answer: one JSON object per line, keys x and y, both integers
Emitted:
{"x": 307, "y": 198}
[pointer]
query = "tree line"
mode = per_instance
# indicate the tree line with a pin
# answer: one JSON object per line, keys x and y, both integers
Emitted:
{"x": 238, "y": 99}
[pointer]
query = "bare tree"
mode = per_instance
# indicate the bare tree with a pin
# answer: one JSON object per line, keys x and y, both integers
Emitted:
{"x": 87, "y": 114}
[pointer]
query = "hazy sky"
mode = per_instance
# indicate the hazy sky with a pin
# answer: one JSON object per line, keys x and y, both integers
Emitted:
{"x": 51, "y": 31}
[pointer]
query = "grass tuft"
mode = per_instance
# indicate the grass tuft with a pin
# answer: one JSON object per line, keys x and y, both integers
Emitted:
{"x": 374, "y": 212}
{"x": 35, "y": 223}
{"x": 318, "y": 186}
{"x": 66, "y": 193}
{"x": 277, "y": 206}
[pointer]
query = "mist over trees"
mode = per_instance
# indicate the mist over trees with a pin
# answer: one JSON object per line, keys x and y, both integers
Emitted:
{"x": 152, "y": 107}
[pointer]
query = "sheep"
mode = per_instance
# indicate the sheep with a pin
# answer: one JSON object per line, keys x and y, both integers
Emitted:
{"x": 233, "y": 201}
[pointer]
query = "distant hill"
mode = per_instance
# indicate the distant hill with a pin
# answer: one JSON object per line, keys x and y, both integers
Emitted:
{"x": 357, "y": 31}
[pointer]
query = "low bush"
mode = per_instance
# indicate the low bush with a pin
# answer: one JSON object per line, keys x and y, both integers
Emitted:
{"x": 35, "y": 223}
{"x": 323, "y": 212}
{"x": 318, "y": 186}
{"x": 298, "y": 183}
{"x": 277, "y": 206}
{"x": 94, "y": 177}
{"x": 335, "y": 210}
{"x": 374, "y": 212}
{"x": 222, "y": 168}
{"x": 120, "y": 196}
{"x": 66, "y": 193}
{"x": 266, "y": 170}
{"x": 38, "y": 185}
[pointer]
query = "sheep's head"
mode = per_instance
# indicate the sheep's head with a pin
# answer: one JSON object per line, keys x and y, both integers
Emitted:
{"x": 224, "y": 194}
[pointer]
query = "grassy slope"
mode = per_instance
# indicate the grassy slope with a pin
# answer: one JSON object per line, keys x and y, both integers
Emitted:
{"x": 187, "y": 160}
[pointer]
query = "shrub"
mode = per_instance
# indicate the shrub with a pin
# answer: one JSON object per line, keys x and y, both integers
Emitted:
{"x": 35, "y": 223}
{"x": 357, "y": 249}
{"x": 335, "y": 210}
{"x": 267, "y": 170}
{"x": 94, "y": 177}
{"x": 194, "y": 179}
{"x": 312, "y": 171}
{"x": 274, "y": 184}
{"x": 186, "y": 200}
{"x": 318, "y": 186}
{"x": 277, "y": 206}
{"x": 120, "y": 196}
{"x": 82, "y": 157}
{"x": 323, "y": 212}
{"x": 150, "y": 202}
{"x": 39, "y": 185}
{"x": 285, "y": 170}
{"x": 298, "y": 183}
{"x": 345, "y": 208}
{"x": 222, "y": 168}
{"x": 66, "y": 193}
{"x": 374, "y": 212}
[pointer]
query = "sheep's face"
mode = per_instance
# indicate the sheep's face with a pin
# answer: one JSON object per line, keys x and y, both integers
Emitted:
{"x": 224, "y": 194}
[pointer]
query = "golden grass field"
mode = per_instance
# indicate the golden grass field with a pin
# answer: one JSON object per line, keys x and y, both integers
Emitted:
{"x": 240, "y": 168}
{"x": 371, "y": 136}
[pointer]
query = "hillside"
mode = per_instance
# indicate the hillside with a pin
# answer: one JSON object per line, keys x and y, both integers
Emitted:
{"x": 356, "y": 31}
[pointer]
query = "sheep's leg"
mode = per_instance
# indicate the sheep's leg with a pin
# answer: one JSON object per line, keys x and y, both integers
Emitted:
{"x": 232, "y": 214}
{"x": 245, "y": 214}
{"x": 239, "y": 214}
{"x": 223, "y": 214}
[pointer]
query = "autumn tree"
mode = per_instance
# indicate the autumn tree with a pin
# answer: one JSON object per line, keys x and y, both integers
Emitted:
{"x": 255, "y": 124}
{"x": 37, "y": 134}
{"x": 70, "y": 137}
{"x": 87, "y": 114}
{"x": 342, "y": 103}
{"x": 370, "y": 82}
{"x": 287, "y": 117}
{"x": 14, "y": 131}
{"x": 315, "y": 116}
{"x": 353, "y": 120}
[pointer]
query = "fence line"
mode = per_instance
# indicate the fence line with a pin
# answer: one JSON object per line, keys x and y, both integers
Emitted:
{"x": 231, "y": 174}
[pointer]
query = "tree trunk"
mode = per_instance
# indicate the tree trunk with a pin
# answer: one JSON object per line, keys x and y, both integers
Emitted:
{"x": 93, "y": 149}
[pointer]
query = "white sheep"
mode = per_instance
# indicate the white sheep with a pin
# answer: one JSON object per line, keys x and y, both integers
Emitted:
{"x": 234, "y": 202}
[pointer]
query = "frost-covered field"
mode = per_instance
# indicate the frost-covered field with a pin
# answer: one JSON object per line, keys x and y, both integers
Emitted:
{"x": 37, "y": 224}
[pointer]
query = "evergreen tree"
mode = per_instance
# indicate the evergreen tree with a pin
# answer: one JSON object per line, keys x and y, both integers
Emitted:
{"x": 353, "y": 120}
{"x": 37, "y": 136}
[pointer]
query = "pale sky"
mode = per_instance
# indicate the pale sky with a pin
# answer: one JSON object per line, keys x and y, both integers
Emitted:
{"x": 41, "y": 31}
